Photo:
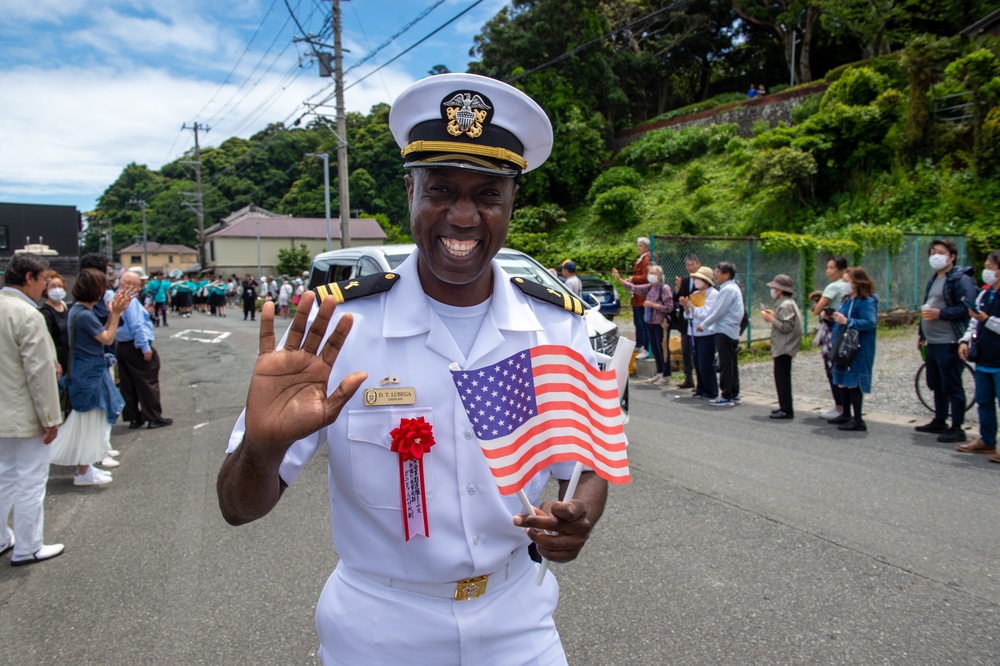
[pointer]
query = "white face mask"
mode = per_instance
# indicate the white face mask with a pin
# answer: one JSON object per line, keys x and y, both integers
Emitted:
{"x": 652, "y": 278}
{"x": 57, "y": 294}
{"x": 774, "y": 294}
{"x": 700, "y": 284}
{"x": 989, "y": 277}
{"x": 938, "y": 261}
{"x": 848, "y": 288}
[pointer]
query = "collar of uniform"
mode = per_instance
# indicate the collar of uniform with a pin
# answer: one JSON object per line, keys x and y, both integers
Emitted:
{"x": 408, "y": 311}
{"x": 17, "y": 293}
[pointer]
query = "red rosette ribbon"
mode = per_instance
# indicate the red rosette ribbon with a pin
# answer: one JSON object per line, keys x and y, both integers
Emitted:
{"x": 412, "y": 439}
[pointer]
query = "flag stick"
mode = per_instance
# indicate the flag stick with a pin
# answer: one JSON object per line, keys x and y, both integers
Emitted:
{"x": 574, "y": 479}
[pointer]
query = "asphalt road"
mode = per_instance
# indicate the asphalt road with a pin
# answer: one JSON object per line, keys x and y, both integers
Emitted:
{"x": 739, "y": 541}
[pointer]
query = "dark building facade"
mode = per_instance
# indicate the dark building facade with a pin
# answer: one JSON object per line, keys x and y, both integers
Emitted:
{"x": 56, "y": 226}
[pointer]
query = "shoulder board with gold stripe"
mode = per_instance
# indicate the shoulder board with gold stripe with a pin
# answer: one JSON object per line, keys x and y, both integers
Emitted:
{"x": 549, "y": 295}
{"x": 348, "y": 290}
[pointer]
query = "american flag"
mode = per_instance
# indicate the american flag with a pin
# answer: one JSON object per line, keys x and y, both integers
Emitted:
{"x": 541, "y": 406}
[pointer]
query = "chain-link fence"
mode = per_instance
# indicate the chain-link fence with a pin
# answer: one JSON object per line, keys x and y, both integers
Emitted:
{"x": 900, "y": 277}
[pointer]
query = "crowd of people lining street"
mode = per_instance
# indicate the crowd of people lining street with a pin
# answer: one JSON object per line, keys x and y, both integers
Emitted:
{"x": 959, "y": 323}
{"x": 68, "y": 373}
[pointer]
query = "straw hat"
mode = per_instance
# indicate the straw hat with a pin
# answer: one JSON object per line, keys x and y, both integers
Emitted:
{"x": 704, "y": 273}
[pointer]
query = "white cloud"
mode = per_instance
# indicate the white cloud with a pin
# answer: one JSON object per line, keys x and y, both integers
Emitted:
{"x": 82, "y": 126}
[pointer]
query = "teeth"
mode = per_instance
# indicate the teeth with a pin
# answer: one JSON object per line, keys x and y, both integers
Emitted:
{"x": 459, "y": 248}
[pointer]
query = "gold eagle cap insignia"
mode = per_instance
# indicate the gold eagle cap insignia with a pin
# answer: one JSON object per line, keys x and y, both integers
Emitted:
{"x": 466, "y": 113}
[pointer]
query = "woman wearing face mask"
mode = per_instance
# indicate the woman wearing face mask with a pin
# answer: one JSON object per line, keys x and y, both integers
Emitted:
{"x": 786, "y": 336}
{"x": 55, "y": 311}
{"x": 985, "y": 328}
{"x": 697, "y": 307}
{"x": 859, "y": 311}
{"x": 833, "y": 296}
{"x": 659, "y": 302}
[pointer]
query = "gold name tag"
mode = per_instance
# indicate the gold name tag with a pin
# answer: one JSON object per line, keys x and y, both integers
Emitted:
{"x": 396, "y": 396}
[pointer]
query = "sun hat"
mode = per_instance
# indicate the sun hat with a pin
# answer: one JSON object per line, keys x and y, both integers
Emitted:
{"x": 782, "y": 283}
{"x": 704, "y": 273}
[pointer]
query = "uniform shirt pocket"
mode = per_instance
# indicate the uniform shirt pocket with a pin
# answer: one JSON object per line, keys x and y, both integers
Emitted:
{"x": 374, "y": 466}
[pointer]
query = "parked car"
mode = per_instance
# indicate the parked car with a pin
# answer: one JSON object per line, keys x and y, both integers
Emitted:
{"x": 347, "y": 263}
{"x": 605, "y": 294}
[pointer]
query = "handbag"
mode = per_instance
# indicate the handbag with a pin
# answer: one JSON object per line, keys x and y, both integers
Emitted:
{"x": 847, "y": 345}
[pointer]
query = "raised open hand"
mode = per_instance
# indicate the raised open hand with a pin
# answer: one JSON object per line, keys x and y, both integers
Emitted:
{"x": 287, "y": 399}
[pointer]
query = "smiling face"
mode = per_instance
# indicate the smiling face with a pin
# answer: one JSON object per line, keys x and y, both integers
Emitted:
{"x": 459, "y": 221}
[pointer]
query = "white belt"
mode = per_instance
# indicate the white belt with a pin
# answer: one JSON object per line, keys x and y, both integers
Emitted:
{"x": 462, "y": 590}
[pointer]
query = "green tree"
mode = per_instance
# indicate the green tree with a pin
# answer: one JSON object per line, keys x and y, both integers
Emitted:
{"x": 784, "y": 18}
{"x": 293, "y": 261}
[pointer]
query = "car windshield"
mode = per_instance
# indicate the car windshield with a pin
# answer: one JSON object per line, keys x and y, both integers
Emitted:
{"x": 518, "y": 265}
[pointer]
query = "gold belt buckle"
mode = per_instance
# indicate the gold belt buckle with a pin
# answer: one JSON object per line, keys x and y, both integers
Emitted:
{"x": 470, "y": 588}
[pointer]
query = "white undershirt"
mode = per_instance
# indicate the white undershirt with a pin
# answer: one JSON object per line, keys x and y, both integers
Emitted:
{"x": 462, "y": 322}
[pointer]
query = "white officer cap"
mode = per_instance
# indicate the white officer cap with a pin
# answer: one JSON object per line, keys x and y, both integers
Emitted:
{"x": 469, "y": 121}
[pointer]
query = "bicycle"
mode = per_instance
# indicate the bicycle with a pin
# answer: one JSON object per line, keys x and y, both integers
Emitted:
{"x": 926, "y": 396}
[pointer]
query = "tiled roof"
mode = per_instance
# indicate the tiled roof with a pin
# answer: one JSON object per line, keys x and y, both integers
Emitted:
{"x": 299, "y": 227}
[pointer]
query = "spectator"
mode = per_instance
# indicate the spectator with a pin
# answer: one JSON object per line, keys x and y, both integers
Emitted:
{"x": 833, "y": 296}
{"x": 752, "y": 92}
{"x": 572, "y": 282}
{"x": 55, "y": 311}
{"x": 285, "y": 297}
{"x": 761, "y": 90}
{"x": 658, "y": 303}
{"x": 300, "y": 289}
{"x": 678, "y": 323}
{"x": 639, "y": 271}
{"x": 697, "y": 307}
{"x": 159, "y": 287}
{"x": 859, "y": 310}
{"x": 139, "y": 365}
{"x": 786, "y": 336}
{"x": 96, "y": 402}
{"x": 249, "y": 296}
{"x": 724, "y": 320}
{"x": 29, "y": 411}
{"x": 985, "y": 329}
{"x": 944, "y": 320}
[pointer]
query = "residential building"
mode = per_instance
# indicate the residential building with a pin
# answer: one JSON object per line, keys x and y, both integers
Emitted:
{"x": 158, "y": 257}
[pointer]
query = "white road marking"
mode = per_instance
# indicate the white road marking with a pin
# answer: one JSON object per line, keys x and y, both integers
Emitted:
{"x": 211, "y": 337}
{"x": 201, "y": 425}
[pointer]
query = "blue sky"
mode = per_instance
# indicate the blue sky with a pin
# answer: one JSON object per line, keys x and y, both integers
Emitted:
{"x": 87, "y": 86}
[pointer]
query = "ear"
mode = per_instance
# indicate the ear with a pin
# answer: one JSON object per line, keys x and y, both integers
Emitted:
{"x": 408, "y": 180}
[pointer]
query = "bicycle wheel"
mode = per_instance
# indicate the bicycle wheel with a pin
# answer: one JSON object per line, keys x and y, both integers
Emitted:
{"x": 925, "y": 395}
{"x": 969, "y": 383}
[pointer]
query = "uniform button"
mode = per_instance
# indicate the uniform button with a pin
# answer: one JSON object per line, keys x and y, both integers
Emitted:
{"x": 475, "y": 541}
{"x": 471, "y": 489}
{"x": 467, "y": 434}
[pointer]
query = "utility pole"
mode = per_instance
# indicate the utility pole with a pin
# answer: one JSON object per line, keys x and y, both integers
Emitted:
{"x": 326, "y": 191}
{"x": 338, "y": 60}
{"x": 141, "y": 203}
{"x": 200, "y": 205}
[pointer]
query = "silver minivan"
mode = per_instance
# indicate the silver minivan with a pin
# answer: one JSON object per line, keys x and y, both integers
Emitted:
{"x": 347, "y": 263}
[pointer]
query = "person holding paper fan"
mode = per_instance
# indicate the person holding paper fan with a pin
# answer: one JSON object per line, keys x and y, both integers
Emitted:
{"x": 434, "y": 564}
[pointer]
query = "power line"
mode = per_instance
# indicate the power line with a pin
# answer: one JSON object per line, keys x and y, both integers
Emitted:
{"x": 371, "y": 54}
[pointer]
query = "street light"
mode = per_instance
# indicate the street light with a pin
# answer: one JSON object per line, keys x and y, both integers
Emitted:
{"x": 326, "y": 190}
{"x": 141, "y": 203}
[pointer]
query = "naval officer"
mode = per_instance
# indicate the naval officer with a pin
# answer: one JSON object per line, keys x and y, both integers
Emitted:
{"x": 455, "y": 585}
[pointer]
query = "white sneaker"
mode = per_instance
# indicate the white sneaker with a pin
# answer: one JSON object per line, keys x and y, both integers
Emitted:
{"x": 661, "y": 381}
{"x": 109, "y": 462}
{"x": 114, "y": 453}
{"x": 40, "y": 555}
{"x": 642, "y": 354}
{"x": 92, "y": 477}
{"x": 828, "y": 414}
{"x": 653, "y": 379}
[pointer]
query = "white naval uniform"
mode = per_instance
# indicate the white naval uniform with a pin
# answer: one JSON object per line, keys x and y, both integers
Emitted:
{"x": 362, "y": 618}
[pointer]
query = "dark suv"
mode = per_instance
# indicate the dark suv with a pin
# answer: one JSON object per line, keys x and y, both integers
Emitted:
{"x": 604, "y": 293}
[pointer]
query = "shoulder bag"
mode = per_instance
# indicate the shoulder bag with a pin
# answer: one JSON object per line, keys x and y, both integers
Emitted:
{"x": 848, "y": 343}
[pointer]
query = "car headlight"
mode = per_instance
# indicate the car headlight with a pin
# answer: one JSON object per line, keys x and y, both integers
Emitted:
{"x": 605, "y": 343}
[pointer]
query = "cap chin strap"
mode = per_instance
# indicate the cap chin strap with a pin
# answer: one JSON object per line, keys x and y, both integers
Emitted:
{"x": 465, "y": 148}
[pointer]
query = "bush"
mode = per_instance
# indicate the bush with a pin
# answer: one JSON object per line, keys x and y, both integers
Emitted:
{"x": 783, "y": 167}
{"x": 858, "y": 87}
{"x": 619, "y": 207}
{"x": 808, "y": 107}
{"x": 619, "y": 176}
{"x": 536, "y": 219}
{"x": 694, "y": 178}
{"x": 675, "y": 146}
